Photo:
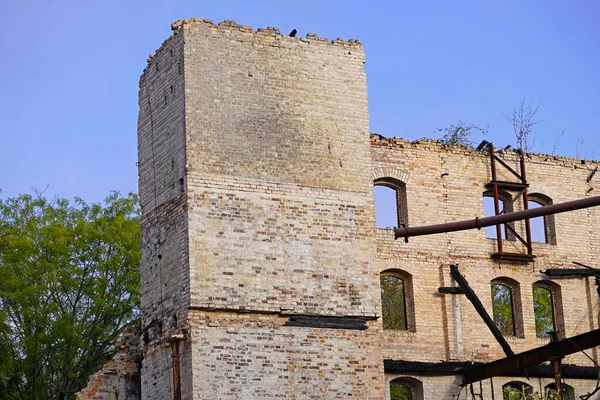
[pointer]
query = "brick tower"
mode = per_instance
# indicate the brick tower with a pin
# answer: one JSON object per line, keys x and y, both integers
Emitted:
{"x": 258, "y": 235}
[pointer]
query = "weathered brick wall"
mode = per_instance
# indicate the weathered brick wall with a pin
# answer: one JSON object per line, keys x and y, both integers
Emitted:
{"x": 276, "y": 213}
{"x": 119, "y": 378}
{"x": 164, "y": 265}
{"x": 281, "y": 213}
{"x": 252, "y": 356}
{"x": 446, "y": 183}
{"x": 278, "y": 172}
{"x": 103, "y": 385}
{"x": 256, "y": 185}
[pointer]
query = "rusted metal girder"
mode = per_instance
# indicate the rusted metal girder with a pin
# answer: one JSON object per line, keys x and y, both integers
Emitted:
{"x": 445, "y": 368}
{"x": 568, "y": 272}
{"x": 532, "y": 357}
{"x": 175, "y": 342}
{"x": 466, "y": 289}
{"x": 557, "y": 374}
{"x": 478, "y": 223}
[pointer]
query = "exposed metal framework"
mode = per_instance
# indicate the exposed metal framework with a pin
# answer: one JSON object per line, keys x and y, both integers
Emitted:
{"x": 520, "y": 187}
{"x": 524, "y": 362}
{"x": 552, "y": 351}
{"x": 445, "y": 368}
{"x": 466, "y": 289}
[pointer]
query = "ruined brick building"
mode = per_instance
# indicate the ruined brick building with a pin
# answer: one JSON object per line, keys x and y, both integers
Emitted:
{"x": 262, "y": 266}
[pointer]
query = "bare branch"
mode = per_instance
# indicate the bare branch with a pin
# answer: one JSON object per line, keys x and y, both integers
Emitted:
{"x": 523, "y": 119}
{"x": 562, "y": 133}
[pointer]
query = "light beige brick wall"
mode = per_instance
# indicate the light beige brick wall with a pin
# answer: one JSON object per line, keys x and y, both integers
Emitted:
{"x": 278, "y": 168}
{"x": 254, "y": 356}
{"x": 277, "y": 216}
{"x": 256, "y": 185}
{"x": 447, "y": 326}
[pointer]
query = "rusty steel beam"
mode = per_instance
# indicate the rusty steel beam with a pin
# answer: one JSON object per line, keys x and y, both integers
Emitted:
{"x": 568, "y": 272}
{"x": 478, "y": 223}
{"x": 440, "y": 368}
{"x": 472, "y": 296}
{"x": 175, "y": 342}
{"x": 496, "y": 199}
{"x": 589, "y": 178}
{"x": 526, "y": 205}
{"x": 586, "y": 266}
{"x": 532, "y": 357}
{"x": 450, "y": 290}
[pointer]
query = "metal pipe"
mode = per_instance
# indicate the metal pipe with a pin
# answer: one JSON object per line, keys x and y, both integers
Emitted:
{"x": 404, "y": 232}
{"x": 556, "y": 371}
{"x": 175, "y": 341}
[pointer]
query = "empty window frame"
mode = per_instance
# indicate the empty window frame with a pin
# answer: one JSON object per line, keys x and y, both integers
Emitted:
{"x": 542, "y": 228}
{"x": 506, "y": 307}
{"x": 506, "y": 205}
{"x": 390, "y": 203}
{"x": 397, "y": 309}
{"x": 547, "y": 309}
{"x": 516, "y": 390}
{"x": 567, "y": 391}
{"x": 406, "y": 388}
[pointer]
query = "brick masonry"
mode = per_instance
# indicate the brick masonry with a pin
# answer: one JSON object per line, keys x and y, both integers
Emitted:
{"x": 444, "y": 184}
{"x": 119, "y": 378}
{"x": 256, "y": 173}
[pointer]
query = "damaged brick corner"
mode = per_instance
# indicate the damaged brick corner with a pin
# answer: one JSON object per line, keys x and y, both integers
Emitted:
{"x": 119, "y": 378}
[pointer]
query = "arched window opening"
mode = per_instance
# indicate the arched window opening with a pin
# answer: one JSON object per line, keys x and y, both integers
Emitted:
{"x": 393, "y": 303}
{"x": 396, "y": 300}
{"x": 547, "y": 309}
{"x": 506, "y": 205}
{"x": 567, "y": 391}
{"x": 502, "y": 305}
{"x": 386, "y": 209}
{"x": 406, "y": 388}
{"x": 538, "y": 230}
{"x": 400, "y": 391}
{"x": 506, "y": 307}
{"x": 390, "y": 203}
{"x": 516, "y": 390}
{"x": 542, "y": 228}
{"x": 543, "y": 309}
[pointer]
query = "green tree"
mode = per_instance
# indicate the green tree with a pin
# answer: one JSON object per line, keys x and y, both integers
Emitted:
{"x": 399, "y": 391}
{"x": 502, "y": 307}
{"x": 68, "y": 285}
{"x": 393, "y": 303}
{"x": 543, "y": 309}
{"x": 519, "y": 391}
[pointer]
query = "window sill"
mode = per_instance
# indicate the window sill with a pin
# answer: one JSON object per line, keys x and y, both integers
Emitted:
{"x": 400, "y": 333}
{"x": 384, "y": 230}
{"x": 543, "y": 245}
{"x": 514, "y": 339}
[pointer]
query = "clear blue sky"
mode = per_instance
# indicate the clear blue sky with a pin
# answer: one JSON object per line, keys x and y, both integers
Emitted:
{"x": 70, "y": 71}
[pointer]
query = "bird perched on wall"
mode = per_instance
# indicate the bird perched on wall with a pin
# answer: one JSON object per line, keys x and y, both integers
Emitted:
{"x": 293, "y": 33}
